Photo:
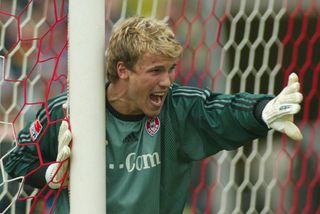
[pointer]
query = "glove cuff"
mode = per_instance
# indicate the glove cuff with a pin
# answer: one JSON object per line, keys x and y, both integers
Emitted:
{"x": 258, "y": 111}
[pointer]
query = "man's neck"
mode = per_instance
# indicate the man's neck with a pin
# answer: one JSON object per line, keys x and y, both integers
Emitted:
{"x": 117, "y": 97}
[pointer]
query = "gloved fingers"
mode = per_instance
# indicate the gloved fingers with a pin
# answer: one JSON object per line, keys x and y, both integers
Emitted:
{"x": 64, "y": 153}
{"x": 66, "y": 138}
{"x": 63, "y": 128}
{"x": 65, "y": 135}
{"x": 293, "y": 84}
{"x": 296, "y": 97}
{"x": 293, "y": 88}
{"x": 293, "y": 78}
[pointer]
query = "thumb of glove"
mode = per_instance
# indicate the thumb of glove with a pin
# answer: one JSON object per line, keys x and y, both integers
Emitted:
{"x": 289, "y": 128}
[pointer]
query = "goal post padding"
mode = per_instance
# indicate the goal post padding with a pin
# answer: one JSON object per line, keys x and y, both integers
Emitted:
{"x": 87, "y": 106}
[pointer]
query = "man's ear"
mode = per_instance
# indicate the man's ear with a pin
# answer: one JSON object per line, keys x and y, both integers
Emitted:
{"x": 122, "y": 70}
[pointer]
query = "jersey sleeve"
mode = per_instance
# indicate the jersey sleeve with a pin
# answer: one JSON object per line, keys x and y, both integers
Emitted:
{"x": 37, "y": 144}
{"x": 210, "y": 122}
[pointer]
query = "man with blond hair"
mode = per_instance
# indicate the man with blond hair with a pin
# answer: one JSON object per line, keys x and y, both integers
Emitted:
{"x": 156, "y": 129}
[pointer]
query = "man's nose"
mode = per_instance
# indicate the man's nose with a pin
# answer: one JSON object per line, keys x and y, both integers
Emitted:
{"x": 167, "y": 79}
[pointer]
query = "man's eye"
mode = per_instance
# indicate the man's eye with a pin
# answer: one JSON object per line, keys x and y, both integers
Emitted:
{"x": 156, "y": 70}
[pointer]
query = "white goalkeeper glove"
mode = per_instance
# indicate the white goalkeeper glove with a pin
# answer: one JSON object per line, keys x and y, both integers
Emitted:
{"x": 278, "y": 113}
{"x": 56, "y": 171}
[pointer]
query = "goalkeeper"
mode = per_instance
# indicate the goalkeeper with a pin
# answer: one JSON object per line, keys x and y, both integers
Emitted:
{"x": 156, "y": 129}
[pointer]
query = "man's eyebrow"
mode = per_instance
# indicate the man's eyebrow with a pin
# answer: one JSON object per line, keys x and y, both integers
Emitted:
{"x": 156, "y": 66}
{"x": 161, "y": 67}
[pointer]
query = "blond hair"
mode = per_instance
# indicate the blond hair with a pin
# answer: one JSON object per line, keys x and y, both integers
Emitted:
{"x": 136, "y": 36}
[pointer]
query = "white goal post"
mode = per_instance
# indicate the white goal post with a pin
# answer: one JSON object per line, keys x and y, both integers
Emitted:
{"x": 87, "y": 106}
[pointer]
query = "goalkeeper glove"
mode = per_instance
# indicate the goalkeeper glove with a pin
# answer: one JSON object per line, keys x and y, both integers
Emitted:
{"x": 56, "y": 171}
{"x": 278, "y": 113}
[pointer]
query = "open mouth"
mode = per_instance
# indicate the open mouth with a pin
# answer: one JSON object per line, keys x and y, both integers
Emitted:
{"x": 157, "y": 98}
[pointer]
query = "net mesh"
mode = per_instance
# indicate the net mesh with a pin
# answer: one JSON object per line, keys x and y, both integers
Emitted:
{"x": 230, "y": 46}
{"x": 33, "y": 47}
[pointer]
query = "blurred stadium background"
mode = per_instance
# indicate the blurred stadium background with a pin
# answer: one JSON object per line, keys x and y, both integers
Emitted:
{"x": 230, "y": 46}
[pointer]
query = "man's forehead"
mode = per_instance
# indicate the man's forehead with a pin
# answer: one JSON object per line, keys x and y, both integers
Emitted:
{"x": 150, "y": 58}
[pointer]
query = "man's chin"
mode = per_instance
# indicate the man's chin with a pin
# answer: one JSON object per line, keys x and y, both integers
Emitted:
{"x": 152, "y": 113}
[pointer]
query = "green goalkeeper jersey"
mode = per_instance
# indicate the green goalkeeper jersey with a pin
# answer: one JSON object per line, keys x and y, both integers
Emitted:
{"x": 149, "y": 160}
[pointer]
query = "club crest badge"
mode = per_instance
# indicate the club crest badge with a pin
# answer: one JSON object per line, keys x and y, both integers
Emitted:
{"x": 152, "y": 125}
{"x": 35, "y": 129}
